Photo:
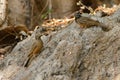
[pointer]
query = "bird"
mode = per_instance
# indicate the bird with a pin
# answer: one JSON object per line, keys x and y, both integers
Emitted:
{"x": 36, "y": 47}
{"x": 86, "y": 22}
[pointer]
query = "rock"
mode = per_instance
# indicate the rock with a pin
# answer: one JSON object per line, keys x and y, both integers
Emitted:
{"x": 72, "y": 53}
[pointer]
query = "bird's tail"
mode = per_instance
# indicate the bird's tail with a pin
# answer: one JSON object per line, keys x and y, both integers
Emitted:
{"x": 29, "y": 60}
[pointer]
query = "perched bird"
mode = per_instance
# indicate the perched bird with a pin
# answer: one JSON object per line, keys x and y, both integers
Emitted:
{"x": 86, "y": 22}
{"x": 36, "y": 47}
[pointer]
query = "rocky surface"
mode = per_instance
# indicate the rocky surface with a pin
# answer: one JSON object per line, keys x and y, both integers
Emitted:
{"x": 72, "y": 53}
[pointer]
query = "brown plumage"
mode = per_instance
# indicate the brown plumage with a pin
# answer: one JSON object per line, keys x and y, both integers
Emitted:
{"x": 36, "y": 47}
{"x": 86, "y": 22}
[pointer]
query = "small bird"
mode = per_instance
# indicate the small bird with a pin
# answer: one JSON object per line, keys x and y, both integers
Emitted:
{"x": 36, "y": 47}
{"x": 86, "y": 22}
